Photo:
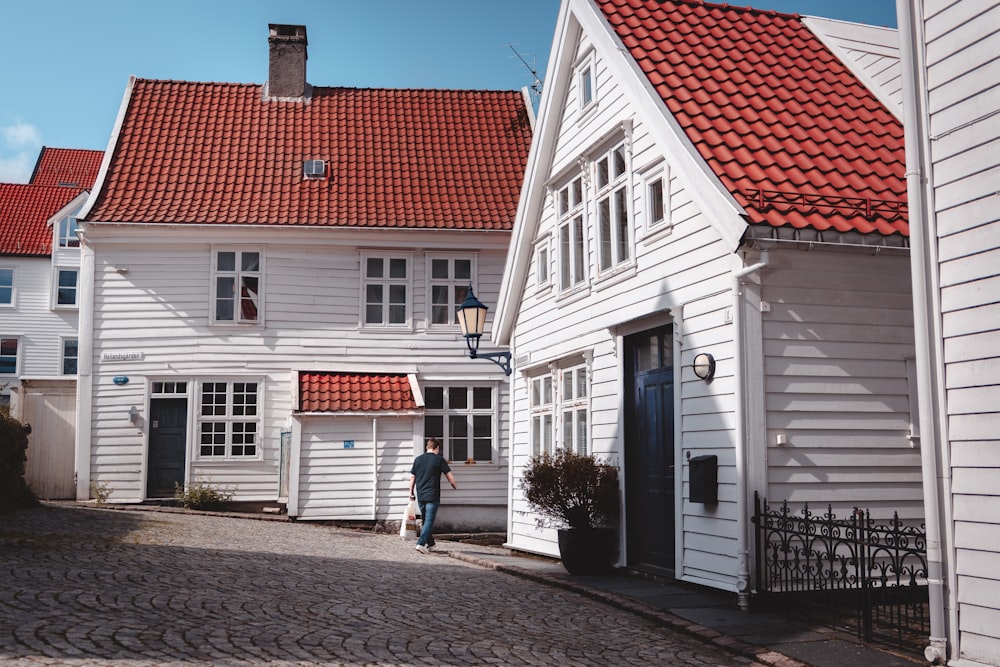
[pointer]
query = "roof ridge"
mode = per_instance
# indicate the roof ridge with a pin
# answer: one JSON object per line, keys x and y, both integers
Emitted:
{"x": 743, "y": 9}
{"x": 319, "y": 87}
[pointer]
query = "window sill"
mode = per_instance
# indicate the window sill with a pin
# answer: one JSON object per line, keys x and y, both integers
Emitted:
{"x": 662, "y": 230}
{"x": 573, "y": 295}
{"x": 615, "y": 276}
{"x": 587, "y": 113}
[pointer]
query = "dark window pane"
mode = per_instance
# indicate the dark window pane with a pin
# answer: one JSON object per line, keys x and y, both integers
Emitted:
{"x": 434, "y": 426}
{"x": 397, "y": 268}
{"x": 463, "y": 269}
{"x": 397, "y": 314}
{"x": 250, "y": 261}
{"x": 434, "y": 398}
{"x": 226, "y": 261}
{"x": 374, "y": 268}
{"x": 439, "y": 269}
{"x": 458, "y": 398}
{"x": 482, "y": 398}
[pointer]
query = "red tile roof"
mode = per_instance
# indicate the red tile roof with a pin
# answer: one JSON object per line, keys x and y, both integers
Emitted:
{"x": 790, "y": 131}
{"x": 217, "y": 153}
{"x": 354, "y": 392}
{"x": 24, "y": 212}
{"x": 75, "y": 167}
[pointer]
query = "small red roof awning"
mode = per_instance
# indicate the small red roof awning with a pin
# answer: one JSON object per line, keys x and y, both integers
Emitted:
{"x": 355, "y": 392}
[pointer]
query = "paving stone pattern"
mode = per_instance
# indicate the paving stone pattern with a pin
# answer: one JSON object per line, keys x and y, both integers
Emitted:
{"x": 84, "y": 586}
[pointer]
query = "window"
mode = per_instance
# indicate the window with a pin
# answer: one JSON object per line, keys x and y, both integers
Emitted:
{"x": 541, "y": 414}
{"x": 572, "y": 247}
{"x": 237, "y": 286}
{"x": 450, "y": 279}
{"x": 543, "y": 273}
{"x": 8, "y": 355}
{"x": 6, "y": 287}
{"x": 573, "y": 409}
{"x": 613, "y": 219}
{"x": 386, "y": 287}
{"x": 66, "y": 288}
{"x": 586, "y": 81}
{"x": 461, "y": 418}
{"x": 228, "y": 420}
{"x": 67, "y": 233}
{"x": 658, "y": 200}
{"x": 70, "y": 355}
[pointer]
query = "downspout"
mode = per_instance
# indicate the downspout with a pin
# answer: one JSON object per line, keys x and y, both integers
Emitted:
{"x": 742, "y": 522}
{"x": 85, "y": 369}
{"x": 923, "y": 266}
{"x": 374, "y": 468}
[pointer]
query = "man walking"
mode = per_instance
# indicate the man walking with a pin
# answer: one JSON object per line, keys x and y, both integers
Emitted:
{"x": 425, "y": 487}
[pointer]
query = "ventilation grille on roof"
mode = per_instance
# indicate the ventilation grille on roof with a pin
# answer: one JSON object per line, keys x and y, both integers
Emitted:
{"x": 314, "y": 168}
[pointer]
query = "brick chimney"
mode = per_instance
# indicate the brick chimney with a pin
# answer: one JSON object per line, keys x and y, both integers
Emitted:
{"x": 286, "y": 76}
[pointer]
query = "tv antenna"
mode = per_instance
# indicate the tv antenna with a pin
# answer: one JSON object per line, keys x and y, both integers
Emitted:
{"x": 536, "y": 82}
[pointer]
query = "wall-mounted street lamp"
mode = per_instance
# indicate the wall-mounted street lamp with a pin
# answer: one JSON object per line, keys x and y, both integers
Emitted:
{"x": 472, "y": 319}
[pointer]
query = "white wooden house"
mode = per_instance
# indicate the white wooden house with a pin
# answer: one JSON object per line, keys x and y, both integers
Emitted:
{"x": 39, "y": 270}
{"x": 952, "y": 103}
{"x": 713, "y": 180}
{"x": 271, "y": 275}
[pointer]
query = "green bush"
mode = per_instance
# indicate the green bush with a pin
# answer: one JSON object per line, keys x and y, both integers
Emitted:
{"x": 202, "y": 495}
{"x": 14, "y": 492}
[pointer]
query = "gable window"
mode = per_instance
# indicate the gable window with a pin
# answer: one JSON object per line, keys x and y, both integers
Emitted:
{"x": 541, "y": 414}
{"x": 70, "y": 356}
{"x": 8, "y": 355}
{"x": 574, "y": 409}
{"x": 613, "y": 215}
{"x": 67, "y": 233}
{"x": 462, "y": 419}
{"x": 228, "y": 420}
{"x": 6, "y": 287}
{"x": 572, "y": 245}
{"x": 66, "y": 287}
{"x": 586, "y": 82}
{"x": 450, "y": 279}
{"x": 543, "y": 269}
{"x": 236, "y": 288}
{"x": 386, "y": 290}
{"x": 657, "y": 203}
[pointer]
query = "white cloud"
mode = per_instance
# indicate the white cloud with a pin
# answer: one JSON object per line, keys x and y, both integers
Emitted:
{"x": 19, "y": 145}
{"x": 22, "y": 135}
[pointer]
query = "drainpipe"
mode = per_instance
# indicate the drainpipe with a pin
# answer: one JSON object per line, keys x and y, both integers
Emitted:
{"x": 923, "y": 268}
{"x": 374, "y": 468}
{"x": 742, "y": 522}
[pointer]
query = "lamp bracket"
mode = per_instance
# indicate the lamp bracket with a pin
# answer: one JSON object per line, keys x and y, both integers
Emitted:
{"x": 496, "y": 358}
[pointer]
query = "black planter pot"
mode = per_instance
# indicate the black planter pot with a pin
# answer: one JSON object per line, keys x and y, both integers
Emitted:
{"x": 588, "y": 551}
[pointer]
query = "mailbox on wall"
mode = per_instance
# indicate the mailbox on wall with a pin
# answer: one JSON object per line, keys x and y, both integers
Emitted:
{"x": 703, "y": 479}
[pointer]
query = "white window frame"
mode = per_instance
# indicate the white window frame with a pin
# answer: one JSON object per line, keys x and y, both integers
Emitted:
{"x": 238, "y": 275}
{"x": 63, "y": 357}
{"x": 456, "y": 287}
{"x": 449, "y": 412}
{"x": 541, "y": 403}
{"x": 657, "y": 219}
{"x": 233, "y": 414}
{"x": 573, "y": 408}
{"x": 66, "y": 236}
{"x": 12, "y": 303}
{"x": 16, "y": 355}
{"x": 543, "y": 263}
{"x": 57, "y": 288}
{"x": 570, "y": 203}
{"x": 613, "y": 209}
{"x": 585, "y": 75}
{"x": 387, "y": 282}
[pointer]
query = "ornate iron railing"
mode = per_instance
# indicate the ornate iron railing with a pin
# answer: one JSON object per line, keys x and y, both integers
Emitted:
{"x": 880, "y": 571}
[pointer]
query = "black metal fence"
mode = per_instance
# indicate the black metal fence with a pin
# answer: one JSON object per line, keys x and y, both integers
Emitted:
{"x": 876, "y": 572}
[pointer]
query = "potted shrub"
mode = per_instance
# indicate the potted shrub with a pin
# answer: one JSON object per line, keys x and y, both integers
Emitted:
{"x": 579, "y": 495}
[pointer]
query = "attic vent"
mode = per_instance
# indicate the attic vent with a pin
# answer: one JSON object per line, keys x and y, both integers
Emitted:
{"x": 314, "y": 168}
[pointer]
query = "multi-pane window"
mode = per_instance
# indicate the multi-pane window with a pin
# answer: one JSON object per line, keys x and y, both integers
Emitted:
{"x": 574, "y": 409}
{"x": 67, "y": 233}
{"x": 450, "y": 279}
{"x": 228, "y": 419}
{"x": 462, "y": 419}
{"x": 6, "y": 287}
{"x": 237, "y": 286}
{"x": 572, "y": 244}
{"x": 66, "y": 287}
{"x": 386, "y": 287}
{"x": 613, "y": 219}
{"x": 541, "y": 414}
{"x": 70, "y": 356}
{"x": 8, "y": 355}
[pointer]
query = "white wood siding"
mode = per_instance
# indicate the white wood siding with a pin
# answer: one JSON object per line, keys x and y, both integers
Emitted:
{"x": 962, "y": 40}
{"x": 836, "y": 341}
{"x": 160, "y": 307}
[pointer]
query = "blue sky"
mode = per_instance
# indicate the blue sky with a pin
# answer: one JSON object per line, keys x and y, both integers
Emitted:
{"x": 64, "y": 64}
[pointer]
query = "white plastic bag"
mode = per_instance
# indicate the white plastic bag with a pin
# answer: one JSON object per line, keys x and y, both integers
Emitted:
{"x": 408, "y": 526}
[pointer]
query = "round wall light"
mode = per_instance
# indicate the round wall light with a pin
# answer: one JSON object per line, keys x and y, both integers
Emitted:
{"x": 704, "y": 366}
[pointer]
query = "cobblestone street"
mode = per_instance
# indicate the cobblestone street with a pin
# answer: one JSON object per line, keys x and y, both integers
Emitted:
{"x": 83, "y": 586}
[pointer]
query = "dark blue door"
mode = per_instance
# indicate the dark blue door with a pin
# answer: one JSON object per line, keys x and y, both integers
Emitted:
{"x": 167, "y": 446}
{"x": 649, "y": 450}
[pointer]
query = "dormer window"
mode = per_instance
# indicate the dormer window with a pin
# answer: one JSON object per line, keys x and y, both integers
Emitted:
{"x": 314, "y": 169}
